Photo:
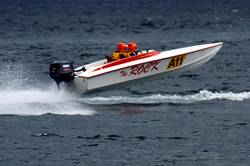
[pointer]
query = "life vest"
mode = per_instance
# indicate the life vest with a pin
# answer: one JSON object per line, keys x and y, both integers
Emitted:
{"x": 130, "y": 53}
{"x": 126, "y": 54}
{"x": 116, "y": 55}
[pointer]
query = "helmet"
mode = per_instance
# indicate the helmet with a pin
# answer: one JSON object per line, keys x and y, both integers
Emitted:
{"x": 132, "y": 46}
{"x": 122, "y": 46}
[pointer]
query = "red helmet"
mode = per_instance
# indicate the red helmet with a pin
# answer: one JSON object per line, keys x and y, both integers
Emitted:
{"x": 122, "y": 46}
{"x": 132, "y": 46}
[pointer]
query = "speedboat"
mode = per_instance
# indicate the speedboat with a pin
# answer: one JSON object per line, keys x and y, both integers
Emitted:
{"x": 147, "y": 65}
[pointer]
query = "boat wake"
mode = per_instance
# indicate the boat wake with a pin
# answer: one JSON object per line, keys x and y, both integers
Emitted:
{"x": 203, "y": 95}
{"x": 39, "y": 102}
{"x": 20, "y": 97}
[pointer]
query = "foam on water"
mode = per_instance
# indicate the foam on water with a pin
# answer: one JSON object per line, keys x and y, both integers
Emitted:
{"x": 18, "y": 97}
{"x": 203, "y": 95}
{"x": 38, "y": 102}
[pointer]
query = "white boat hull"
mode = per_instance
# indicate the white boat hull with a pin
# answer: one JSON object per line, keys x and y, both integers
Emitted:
{"x": 164, "y": 64}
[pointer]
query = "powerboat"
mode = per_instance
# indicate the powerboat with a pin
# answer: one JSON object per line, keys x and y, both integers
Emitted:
{"x": 147, "y": 65}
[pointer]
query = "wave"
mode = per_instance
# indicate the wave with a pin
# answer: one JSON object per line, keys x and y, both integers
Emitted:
{"x": 203, "y": 95}
{"x": 39, "y": 102}
{"x": 20, "y": 94}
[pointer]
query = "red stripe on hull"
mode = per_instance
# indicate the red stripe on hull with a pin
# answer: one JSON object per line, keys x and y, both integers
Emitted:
{"x": 130, "y": 59}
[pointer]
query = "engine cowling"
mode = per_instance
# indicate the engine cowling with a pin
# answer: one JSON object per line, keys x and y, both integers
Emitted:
{"x": 62, "y": 71}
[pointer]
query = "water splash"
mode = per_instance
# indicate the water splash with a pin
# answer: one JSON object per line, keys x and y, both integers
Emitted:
{"x": 18, "y": 97}
{"x": 203, "y": 95}
{"x": 39, "y": 101}
{"x": 13, "y": 76}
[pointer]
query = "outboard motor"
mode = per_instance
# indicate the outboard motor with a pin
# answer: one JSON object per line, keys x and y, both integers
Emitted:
{"x": 62, "y": 71}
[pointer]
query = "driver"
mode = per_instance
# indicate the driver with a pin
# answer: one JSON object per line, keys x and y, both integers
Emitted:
{"x": 119, "y": 53}
{"x": 132, "y": 49}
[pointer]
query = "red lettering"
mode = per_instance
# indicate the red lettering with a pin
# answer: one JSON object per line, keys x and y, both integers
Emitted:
{"x": 133, "y": 70}
{"x": 147, "y": 68}
{"x": 155, "y": 65}
{"x": 143, "y": 68}
{"x": 140, "y": 69}
{"x": 123, "y": 74}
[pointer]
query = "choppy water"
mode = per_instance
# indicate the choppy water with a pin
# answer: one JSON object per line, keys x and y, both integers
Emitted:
{"x": 199, "y": 117}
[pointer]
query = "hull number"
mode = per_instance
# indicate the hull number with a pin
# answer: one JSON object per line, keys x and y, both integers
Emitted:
{"x": 176, "y": 61}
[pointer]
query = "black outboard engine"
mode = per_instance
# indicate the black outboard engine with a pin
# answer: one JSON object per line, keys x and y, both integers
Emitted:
{"x": 62, "y": 71}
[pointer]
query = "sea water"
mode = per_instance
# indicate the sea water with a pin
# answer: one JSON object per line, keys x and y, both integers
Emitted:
{"x": 199, "y": 117}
